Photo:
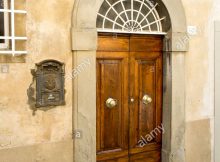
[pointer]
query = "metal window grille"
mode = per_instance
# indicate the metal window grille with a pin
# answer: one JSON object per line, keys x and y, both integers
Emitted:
{"x": 129, "y": 16}
{"x": 9, "y": 37}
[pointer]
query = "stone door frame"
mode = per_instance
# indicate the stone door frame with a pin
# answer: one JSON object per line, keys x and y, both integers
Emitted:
{"x": 84, "y": 44}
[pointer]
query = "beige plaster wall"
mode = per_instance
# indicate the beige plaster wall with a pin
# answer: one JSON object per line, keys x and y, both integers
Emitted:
{"x": 217, "y": 92}
{"x": 199, "y": 77}
{"x": 47, "y": 134}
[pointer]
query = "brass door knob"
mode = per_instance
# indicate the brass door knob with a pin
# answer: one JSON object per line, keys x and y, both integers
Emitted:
{"x": 111, "y": 103}
{"x": 146, "y": 99}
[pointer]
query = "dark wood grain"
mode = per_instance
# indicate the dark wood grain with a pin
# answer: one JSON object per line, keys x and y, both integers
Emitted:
{"x": 112, "y": 124}
{"x": 113, "y": 43}
{"x": 154, "y": 156}
{"x": 128, "y": 66}
{"x": 140, "y": 43}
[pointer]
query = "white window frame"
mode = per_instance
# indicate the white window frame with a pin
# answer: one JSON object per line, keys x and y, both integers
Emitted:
{"x": 5, "y": 45}
{"x": 12, "y": 37}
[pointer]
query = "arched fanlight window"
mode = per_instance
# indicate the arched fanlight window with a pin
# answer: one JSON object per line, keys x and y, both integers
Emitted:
{"x": 130, "y": 16}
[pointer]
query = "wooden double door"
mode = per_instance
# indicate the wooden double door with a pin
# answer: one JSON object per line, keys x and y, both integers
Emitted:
{"x": 129, "y": 98}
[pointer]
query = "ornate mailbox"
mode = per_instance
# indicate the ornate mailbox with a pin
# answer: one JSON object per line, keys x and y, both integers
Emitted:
{"x": 49, "y": 77}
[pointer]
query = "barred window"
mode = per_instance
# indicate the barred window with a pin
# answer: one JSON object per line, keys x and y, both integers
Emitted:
{"x": 12, "y": 35}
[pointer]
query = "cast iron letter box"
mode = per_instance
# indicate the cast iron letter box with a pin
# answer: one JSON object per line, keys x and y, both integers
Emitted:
{"x": 49, "y": 83}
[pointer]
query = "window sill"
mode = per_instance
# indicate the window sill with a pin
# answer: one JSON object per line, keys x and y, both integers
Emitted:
{"x": 4, "y": 58}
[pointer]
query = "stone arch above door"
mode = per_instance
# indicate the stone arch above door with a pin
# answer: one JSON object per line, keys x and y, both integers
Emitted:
{"x": 84, "y": 38}
{"x": 84, "y": 24}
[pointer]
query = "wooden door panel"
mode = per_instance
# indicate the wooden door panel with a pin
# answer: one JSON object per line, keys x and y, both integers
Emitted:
{"x": 113, "y": 43}
{"x": 145, "y": 43}
{"x": 134, "y": 62}
{"x": 123, "y": 159}
{"x": 146, "y": 79}
{"x": 153, "y": 156}
{"x": 149, "y": 147}
{"x": 145, "y": 84}
{"x": 113, "y": 156}
{"x": 112, "y": 123}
